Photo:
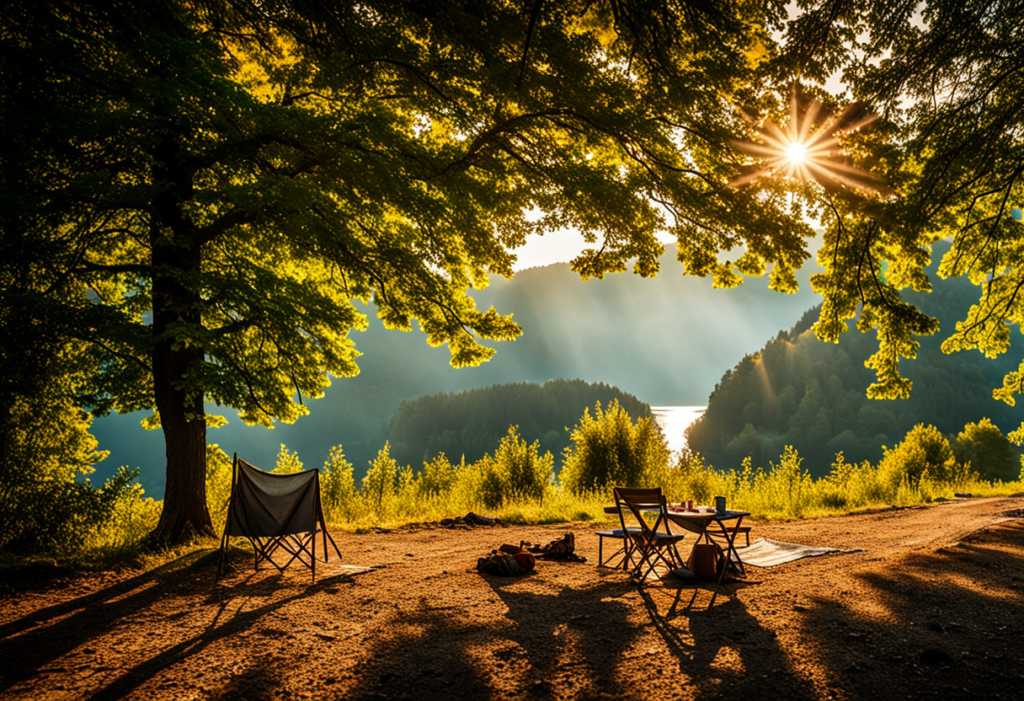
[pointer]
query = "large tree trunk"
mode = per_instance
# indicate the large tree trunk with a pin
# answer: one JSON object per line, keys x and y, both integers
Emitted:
{"x": 176, "y": 261}
{"x": 184, "y": 515}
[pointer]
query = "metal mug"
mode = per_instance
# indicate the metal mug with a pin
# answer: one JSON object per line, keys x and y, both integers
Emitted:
{"x": 720, "y": 505}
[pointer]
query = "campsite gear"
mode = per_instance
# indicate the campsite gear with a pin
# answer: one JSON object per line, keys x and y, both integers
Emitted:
{"x": 525, "y": 561}
{"x": 501, "y": 564}
{"x": 276, "y": 512}
{"x": 563, "y": 548}
{"x": 769, "y": 553}
{"x": 651, "y": 545}
{"x": 719, "y": 505}
{"x": 703, "y": 560}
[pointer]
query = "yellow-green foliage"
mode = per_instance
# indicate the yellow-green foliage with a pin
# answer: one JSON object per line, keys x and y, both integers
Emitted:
{"x": 923, "y": 455}
{"x": 516, "y": 472}
{"x": 379, "y": 483}
{"x": 338, "y": 488}
{"x": 987, "y": 450}
{"x": 46, "y": 447}
{"x": 287, "y": 463}
{"x": 132, "y": 518}
{"x": 516, "y": 485}
{"x": 437, "y": 477}
{"x": 218, "y": 485}
{"x": 609, "y": 450}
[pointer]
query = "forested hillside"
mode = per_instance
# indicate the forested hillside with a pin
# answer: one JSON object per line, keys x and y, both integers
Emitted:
{"x": 473, "y": 422}
{"x": 665, "y": 340}
{"x": 799, "y": 391}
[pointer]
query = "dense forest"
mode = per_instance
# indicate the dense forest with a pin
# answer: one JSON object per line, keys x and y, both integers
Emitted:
{"x": 802, "y": 392}
{"x": 472, "y": 422}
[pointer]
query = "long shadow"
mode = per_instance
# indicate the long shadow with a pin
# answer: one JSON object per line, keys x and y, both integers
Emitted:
{"x": 101, "y": 597}
{"x": 35, "y": 644}
{"x": 953, "y": 624}
{"x": 585, "y": 639}
{"x": 428, "y": 653}
{"x": 724, "y": 648}
{"x": 445, "y": 652}
{"x": 250, "y": 684}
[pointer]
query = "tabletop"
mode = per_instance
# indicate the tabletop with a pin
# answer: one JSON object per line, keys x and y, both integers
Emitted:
{"x": 707, "y": 515}
{"x": 726, "y": 515}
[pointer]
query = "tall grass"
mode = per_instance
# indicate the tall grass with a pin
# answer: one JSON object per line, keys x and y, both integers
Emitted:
{"x": 517, "y": 484}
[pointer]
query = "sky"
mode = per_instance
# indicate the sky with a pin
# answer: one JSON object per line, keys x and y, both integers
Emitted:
{"x": 555, "y": 247}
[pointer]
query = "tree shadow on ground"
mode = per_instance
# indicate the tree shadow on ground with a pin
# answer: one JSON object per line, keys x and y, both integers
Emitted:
{"x": 547, "y": 645}
{"x": 49, "y": 634}
{"x": 915, "y": 636}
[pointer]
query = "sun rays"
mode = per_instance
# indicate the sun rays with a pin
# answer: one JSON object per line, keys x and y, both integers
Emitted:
{"x": 808, "y": 148}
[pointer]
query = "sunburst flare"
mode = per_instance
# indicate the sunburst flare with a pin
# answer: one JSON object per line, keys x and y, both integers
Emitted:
{"x": 803, "y": 152}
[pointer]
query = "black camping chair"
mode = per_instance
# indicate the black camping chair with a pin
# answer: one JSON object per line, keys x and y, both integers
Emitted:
{"x": 276, "y": 513}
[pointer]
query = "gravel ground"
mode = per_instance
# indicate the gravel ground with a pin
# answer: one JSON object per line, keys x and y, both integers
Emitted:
{"x": 930, "y": 606}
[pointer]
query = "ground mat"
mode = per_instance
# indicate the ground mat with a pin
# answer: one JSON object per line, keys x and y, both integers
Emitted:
{"x": 764, "y": 552}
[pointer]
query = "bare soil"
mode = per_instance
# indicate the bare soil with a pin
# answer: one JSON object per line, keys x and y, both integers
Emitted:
{"x": 931, "y": 606}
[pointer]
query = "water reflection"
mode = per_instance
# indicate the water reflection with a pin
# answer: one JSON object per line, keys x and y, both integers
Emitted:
{"x": 674, "y": 420}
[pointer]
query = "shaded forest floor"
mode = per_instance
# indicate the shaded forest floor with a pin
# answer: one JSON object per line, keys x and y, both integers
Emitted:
{"x": 932, "y": 605}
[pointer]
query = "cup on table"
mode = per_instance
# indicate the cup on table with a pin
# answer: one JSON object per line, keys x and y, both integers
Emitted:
{"x": 689, "y": 505}
{"x": 720, "y": 505}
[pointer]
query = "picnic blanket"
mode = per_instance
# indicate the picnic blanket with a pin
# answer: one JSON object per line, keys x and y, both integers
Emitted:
{"x": 764, "y": 552}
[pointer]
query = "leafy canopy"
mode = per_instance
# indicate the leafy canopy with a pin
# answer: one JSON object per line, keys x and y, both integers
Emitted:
{"x": 249, "y": 169}
{"x": 945, "y": 77}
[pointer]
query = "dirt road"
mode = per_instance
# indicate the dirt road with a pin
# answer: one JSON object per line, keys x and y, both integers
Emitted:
{"x": 931, "y": 606}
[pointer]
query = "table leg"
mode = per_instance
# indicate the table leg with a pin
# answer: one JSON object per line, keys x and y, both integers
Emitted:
{"x": 730, "y": 551}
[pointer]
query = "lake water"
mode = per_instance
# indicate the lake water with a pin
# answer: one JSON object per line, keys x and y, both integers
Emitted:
{"x": 674, "y": 420}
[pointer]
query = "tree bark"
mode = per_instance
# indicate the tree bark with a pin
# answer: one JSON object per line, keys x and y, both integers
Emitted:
{"x": 176, "y": 263}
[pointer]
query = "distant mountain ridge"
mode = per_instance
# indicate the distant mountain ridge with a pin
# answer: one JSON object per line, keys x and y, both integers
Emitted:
{"x": 664, "y": 340}
{"x": 799, "y": 391}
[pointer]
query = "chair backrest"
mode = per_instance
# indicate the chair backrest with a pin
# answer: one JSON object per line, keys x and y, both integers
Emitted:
{"x": 638, "y": 501}
{"x": 271, "y": 505}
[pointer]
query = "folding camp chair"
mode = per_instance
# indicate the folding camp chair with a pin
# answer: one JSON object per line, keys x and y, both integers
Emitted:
{"x": 650, "y": 544}
{"x": 276, "y": 513}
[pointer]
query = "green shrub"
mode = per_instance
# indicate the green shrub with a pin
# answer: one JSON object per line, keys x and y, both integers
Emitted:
{"x": 437, "y": 477}
{"x": 218, "y": 485}
{"x": 338, "y": 488}
{"x": 46, "y": 447}
{"x": 924, "y": 453}
{"x": 132, "y": 517}
{"x": 516, "y": 472}
{"x": 379, "y": 483}
{"x": 610, "y": 451}
{"x": 987, "y": 450}
{"x": 287, "y": 463}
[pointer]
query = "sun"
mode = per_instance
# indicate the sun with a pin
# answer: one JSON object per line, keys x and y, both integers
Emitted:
{"x": 808, "y": 148}
{"x": 796, "y": 152}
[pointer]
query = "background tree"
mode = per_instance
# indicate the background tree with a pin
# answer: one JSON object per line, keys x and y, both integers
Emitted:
{"x": 924, "y": 453}
{"x": 609, "y": 450}
{"x": 221, "y": 179}
{"x": 987, "y": 450}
